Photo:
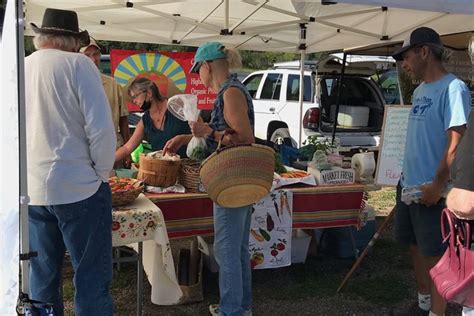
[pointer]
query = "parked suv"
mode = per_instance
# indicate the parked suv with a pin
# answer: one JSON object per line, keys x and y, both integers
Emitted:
{"x": 275, "y": 94}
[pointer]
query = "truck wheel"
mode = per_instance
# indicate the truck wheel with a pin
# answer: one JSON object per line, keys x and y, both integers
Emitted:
{"x": 281, "y": 136}
{"x": 273, "y": 126}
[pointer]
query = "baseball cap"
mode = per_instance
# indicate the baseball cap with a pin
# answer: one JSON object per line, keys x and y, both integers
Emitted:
{"x": 207, "y": 52}
{"x": 92, "y": 43}
{"x": 419, "y": 36}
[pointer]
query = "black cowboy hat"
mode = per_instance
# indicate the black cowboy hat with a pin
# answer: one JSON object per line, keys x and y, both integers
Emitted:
{"x": 61, "y": 22}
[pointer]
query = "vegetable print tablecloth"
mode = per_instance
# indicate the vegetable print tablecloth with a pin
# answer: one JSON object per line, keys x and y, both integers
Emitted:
{"x": 143, "y": 221}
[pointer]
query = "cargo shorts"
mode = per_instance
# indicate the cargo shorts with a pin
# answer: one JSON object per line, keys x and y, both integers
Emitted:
{"x": 419, "y": 225}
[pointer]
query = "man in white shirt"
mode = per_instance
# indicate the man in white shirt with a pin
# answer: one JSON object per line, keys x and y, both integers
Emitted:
{"x": 70, "y": 149}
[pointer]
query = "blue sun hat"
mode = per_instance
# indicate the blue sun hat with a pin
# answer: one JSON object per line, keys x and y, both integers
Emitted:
{"x": 207, "y": 52}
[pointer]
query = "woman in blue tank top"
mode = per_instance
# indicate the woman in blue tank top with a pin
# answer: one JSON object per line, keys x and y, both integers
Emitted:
{"x": 158, "y": 126}
{"x": 233, "y": 110}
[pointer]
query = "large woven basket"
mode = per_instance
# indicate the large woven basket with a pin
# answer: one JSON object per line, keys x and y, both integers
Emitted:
{"x": 238, "y": 175}
{"x": 158, "y": 172}
{"x": 189, "y": 175}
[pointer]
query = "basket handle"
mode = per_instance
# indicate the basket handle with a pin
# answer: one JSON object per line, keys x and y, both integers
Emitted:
{"x": 148, "y": 172}
{"x": 228, "y": 131}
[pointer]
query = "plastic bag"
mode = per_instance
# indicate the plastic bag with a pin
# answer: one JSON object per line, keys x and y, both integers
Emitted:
{"x": 197, "y": 148}
{"x": 142, "y": 148}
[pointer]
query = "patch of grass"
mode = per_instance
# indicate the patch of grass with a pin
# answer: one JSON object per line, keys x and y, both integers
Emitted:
{"x": 68, "y": 289}
{"x": 384, "y": 289}
{"x": 382, "y": 200}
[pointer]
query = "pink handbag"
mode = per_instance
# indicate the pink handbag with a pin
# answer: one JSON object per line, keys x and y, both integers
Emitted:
{"x": 453, "y": 275}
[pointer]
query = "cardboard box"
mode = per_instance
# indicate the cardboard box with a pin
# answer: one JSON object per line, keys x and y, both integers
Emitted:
{"x": 189, "y": 272}
{"x": 299, "y": 246}
{"x": 207, "y": 250}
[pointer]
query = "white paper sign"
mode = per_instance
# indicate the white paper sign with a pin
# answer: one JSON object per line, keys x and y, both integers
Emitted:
{"x": 270, "y": 234}
{"x": 392, "y": 147}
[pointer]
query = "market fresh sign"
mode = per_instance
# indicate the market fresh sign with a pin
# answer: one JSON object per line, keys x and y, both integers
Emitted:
{"x": 333, "y": 177}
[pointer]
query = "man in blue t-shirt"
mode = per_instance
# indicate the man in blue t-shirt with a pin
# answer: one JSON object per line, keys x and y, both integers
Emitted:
{"x": 437, "y": 121}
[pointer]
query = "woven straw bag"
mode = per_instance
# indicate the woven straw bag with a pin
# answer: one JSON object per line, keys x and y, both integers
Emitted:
{"x": 238, "y": 175}
{"x": 158, "y": 172}
{"x": 189, "y": 175}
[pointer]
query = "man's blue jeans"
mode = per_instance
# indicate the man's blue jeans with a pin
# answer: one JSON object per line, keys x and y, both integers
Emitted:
{"x": 84, "y": 229}
{"x": 231, "y": 247}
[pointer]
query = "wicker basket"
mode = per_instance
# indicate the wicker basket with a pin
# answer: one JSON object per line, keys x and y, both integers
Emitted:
{"x": 189, "y": 175}
{"x": 121, "y": 198}
{"x": 238, "y": 175}
{"x": 158, "y": 172}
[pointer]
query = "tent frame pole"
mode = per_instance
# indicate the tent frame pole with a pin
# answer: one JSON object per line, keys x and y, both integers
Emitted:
{"x": 302, "y": 49}
{"x": 338, "y": 98}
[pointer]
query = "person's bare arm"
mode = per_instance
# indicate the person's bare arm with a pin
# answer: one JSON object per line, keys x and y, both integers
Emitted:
{"x": 175, "y": 143}
{"x": 132, "y": 143}
{"x": 235, "y": 115}
{"x": 432, "y": 192}
{"x": 461, "y": 203}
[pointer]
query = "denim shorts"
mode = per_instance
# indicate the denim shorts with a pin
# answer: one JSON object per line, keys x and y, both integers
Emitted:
{"x": 420, "y": 225}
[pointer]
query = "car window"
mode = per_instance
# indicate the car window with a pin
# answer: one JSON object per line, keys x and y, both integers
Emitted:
{"x": 354, "y": 91}
{"x": 293, "y": 88}
{"x": 388, "y": 84}
{"x": 271, "y": 87}
{"x": 252, "y": 84}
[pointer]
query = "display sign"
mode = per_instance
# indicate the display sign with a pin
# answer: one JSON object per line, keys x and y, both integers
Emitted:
{"x": 169, "y": 70}
{"x": 392, "y": 145}
{"x": 270, "y": 231}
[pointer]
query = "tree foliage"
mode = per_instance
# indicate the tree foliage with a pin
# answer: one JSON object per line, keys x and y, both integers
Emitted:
{"x": 251, "y": 60}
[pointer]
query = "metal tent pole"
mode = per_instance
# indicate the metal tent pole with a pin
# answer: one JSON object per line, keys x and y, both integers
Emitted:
{"x": 338, "y": 99}
{"x": 302, "y": 49}
{"x": 23, "y": 199}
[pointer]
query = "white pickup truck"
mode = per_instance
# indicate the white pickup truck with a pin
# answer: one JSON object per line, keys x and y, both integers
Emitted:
{"x": 275, "y": 94}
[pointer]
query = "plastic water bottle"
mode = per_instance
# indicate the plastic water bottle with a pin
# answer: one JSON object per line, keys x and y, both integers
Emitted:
{"x": 414, "y": 193}
{"x": 411, "y": 194}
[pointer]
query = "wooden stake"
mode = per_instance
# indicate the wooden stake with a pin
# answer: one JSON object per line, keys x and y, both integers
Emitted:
{"x": 366, "y": 250}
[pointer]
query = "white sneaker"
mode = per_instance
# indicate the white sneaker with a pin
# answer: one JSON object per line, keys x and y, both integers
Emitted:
{"x": 214, "y": 310}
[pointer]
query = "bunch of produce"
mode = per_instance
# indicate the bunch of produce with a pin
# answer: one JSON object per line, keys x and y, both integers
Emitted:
{"x": 159, "y": 155}
{"x": 294, "y": 174}
{"x": 279, "y": 167}
{"x": 123, "y": 184}
{"x": 198, "y": 153}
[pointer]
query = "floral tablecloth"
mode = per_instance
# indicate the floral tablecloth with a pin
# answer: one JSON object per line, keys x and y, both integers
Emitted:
{"x": 142, "y": 221}
{"x": 131, "y": 224}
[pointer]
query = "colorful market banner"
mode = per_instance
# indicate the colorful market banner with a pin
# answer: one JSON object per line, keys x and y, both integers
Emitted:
{"x": 169, "y": 70}
{"x": 270, "y": 231}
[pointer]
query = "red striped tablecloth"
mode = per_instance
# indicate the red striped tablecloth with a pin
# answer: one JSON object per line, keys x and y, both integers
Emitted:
{"x": 190, "y": 214}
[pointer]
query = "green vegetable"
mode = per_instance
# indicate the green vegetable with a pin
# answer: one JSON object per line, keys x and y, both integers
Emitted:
{"x": 279, "y": 167}
{"x": 264, "y": 234}
{"x": 198, "y": 153}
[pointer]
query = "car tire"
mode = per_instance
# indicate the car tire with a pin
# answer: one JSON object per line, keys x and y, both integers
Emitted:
{"x": 281, "y": 136}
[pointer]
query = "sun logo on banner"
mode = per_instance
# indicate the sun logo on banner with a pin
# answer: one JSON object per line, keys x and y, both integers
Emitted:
{"x": 163, "y": 70}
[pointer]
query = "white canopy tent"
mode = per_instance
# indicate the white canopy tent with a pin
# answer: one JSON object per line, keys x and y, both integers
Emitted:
{"x": 264, "y": 25}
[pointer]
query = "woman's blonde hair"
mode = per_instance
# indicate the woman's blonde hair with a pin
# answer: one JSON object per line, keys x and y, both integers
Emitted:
{"x": 233, "y": 58}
